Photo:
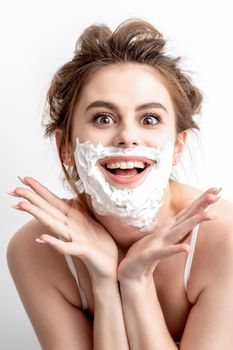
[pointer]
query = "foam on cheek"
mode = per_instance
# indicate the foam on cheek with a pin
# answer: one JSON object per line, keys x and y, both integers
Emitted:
{"x": 135, "y": 206}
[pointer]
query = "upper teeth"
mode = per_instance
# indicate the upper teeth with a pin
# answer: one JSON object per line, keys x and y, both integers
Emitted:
{"x": 126, "y": 165}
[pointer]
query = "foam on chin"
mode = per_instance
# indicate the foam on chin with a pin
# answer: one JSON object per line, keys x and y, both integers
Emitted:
{"x": 135, "y": 206}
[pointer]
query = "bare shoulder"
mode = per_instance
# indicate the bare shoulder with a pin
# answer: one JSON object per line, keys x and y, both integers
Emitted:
{"x": 218, "y": 237}
{"x": 213, "y": 256}
{"x": 48, "y": 291}
{"x": 210, "y": 285}
{"x": 28, "y": 258}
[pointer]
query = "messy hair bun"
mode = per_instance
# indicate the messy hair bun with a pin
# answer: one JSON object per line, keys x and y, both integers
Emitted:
{"x": 133, "y": 40}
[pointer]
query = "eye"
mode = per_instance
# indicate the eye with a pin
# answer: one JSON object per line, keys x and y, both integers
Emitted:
{"x": 150, "y": 119}
{"x": 103, "y": 118}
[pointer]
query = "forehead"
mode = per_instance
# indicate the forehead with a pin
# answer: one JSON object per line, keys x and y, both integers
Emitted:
{"x": 126, "y": 83}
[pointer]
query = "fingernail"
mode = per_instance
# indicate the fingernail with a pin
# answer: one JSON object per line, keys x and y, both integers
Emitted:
{"x": 38, "y": 240}
{"x": 22, "y": 180}
{"x": 12, "y": 194}
{"x": 15, "y": 206}
{"x": 218, "y": 190}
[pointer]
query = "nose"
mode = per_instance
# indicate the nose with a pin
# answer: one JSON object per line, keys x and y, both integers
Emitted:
{"x": 127, "y": 137}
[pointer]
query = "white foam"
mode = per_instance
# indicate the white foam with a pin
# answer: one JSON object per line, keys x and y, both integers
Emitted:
{"x": 135, "y": 206}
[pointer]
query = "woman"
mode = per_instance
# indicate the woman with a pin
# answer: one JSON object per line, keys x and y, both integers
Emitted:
{"x": 121, "y": 110}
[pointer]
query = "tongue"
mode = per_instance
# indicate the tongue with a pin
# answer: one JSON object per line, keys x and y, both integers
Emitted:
{"x": 126, "y": 172}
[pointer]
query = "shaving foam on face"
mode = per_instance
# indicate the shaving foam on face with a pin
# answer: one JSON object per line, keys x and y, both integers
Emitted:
{"x": 135, "y": 206}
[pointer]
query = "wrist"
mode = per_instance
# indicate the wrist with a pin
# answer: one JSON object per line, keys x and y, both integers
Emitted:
{"x": 136, "y": 290}
{"x": 102, "y": 285}
{"x": 142, "y": 280}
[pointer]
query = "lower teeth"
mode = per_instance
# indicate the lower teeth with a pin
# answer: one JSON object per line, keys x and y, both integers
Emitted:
{"x": 139, "y": 170}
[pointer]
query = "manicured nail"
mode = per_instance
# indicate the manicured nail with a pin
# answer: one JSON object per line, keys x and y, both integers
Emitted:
{"x": 218, "y": 190}
{"x": 22, "y": 180}
{"x": 15, "y": 206}
{"x": 12, "y": 194}
{"x": 38, "y": 240}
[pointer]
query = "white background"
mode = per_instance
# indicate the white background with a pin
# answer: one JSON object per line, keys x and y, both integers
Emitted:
{"x": 39, "y": 36}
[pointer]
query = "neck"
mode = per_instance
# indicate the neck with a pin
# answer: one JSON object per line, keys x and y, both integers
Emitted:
{"x": 124, "y": 235}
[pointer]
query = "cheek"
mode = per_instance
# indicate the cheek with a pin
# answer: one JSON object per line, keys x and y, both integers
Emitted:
{"x": 81, "y": 132}
{"x": 160, "y": 139}
{"x": 88, "y": 135}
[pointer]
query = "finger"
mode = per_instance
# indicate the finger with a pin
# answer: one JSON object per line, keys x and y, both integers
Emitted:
{"x": 174, "y": 249}
{"x": 52, "y": 224}
{"x": 155, "y": 255}
{"x": 46, "y": 194}
{"x": 62, "y": 247}
{"x": 61, "y": 204}
{"x": 201, "y": 203}
{"x": 212, "y": 190}
{"x": 181, "y": 230}
{"x": 38, "y": 201}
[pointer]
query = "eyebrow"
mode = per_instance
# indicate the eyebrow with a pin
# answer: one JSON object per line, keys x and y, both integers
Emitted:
{"x": 111, "y": 106}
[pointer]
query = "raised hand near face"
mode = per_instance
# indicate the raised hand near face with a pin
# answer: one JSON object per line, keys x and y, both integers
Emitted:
{"x": 80, "y": 234}
{"x": 145, "y": 254}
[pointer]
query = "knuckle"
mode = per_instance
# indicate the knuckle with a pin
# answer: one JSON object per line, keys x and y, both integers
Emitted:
{"x": 31, "y": 195}
{"x": 209, "y": 198}
{"x": 161, "y": 241}
{"x": 206, "y": 216}
{"x": 18, "y": 191}
{"x": 199, "y": 218}
{"x": 71, "y": 212}
{"x": 68, "y": 222}
{"x": 28, "y": 179}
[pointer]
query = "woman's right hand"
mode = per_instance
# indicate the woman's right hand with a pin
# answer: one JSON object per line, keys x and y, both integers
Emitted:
{"x": 82, "y": 236}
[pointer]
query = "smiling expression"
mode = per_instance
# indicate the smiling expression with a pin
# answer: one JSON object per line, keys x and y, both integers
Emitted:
{"x": 124, "y": 106}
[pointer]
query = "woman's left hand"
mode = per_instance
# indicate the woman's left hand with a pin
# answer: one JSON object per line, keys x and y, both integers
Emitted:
{"x": 145, "y": 254}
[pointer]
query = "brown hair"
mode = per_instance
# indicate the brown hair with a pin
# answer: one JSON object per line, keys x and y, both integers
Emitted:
{"x": 134, "y": 40}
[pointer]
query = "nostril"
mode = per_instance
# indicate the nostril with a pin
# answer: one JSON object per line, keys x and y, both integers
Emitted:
{"x": 127, "y": 144}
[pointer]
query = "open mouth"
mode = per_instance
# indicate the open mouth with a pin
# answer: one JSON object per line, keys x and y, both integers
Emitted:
{"x": 125, "y": 169}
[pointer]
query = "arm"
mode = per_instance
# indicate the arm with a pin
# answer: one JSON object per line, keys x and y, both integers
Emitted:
{"x": 109, "y": 328}
{"x": 54, "y": 308}
{"x": 56, "y": 315}
{"x": 87, "y": 239}
{"x": 209, "y": 325}
{"x": 144, "y": 318}
{"x": 145, "y": 324}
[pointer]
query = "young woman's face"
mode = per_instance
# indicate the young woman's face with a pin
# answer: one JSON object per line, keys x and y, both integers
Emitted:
{"x": 124, "y": 105}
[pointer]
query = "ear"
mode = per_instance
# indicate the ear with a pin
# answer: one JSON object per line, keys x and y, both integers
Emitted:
{"x": 179, "y": 146}
{"x": 65, "y": 151}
